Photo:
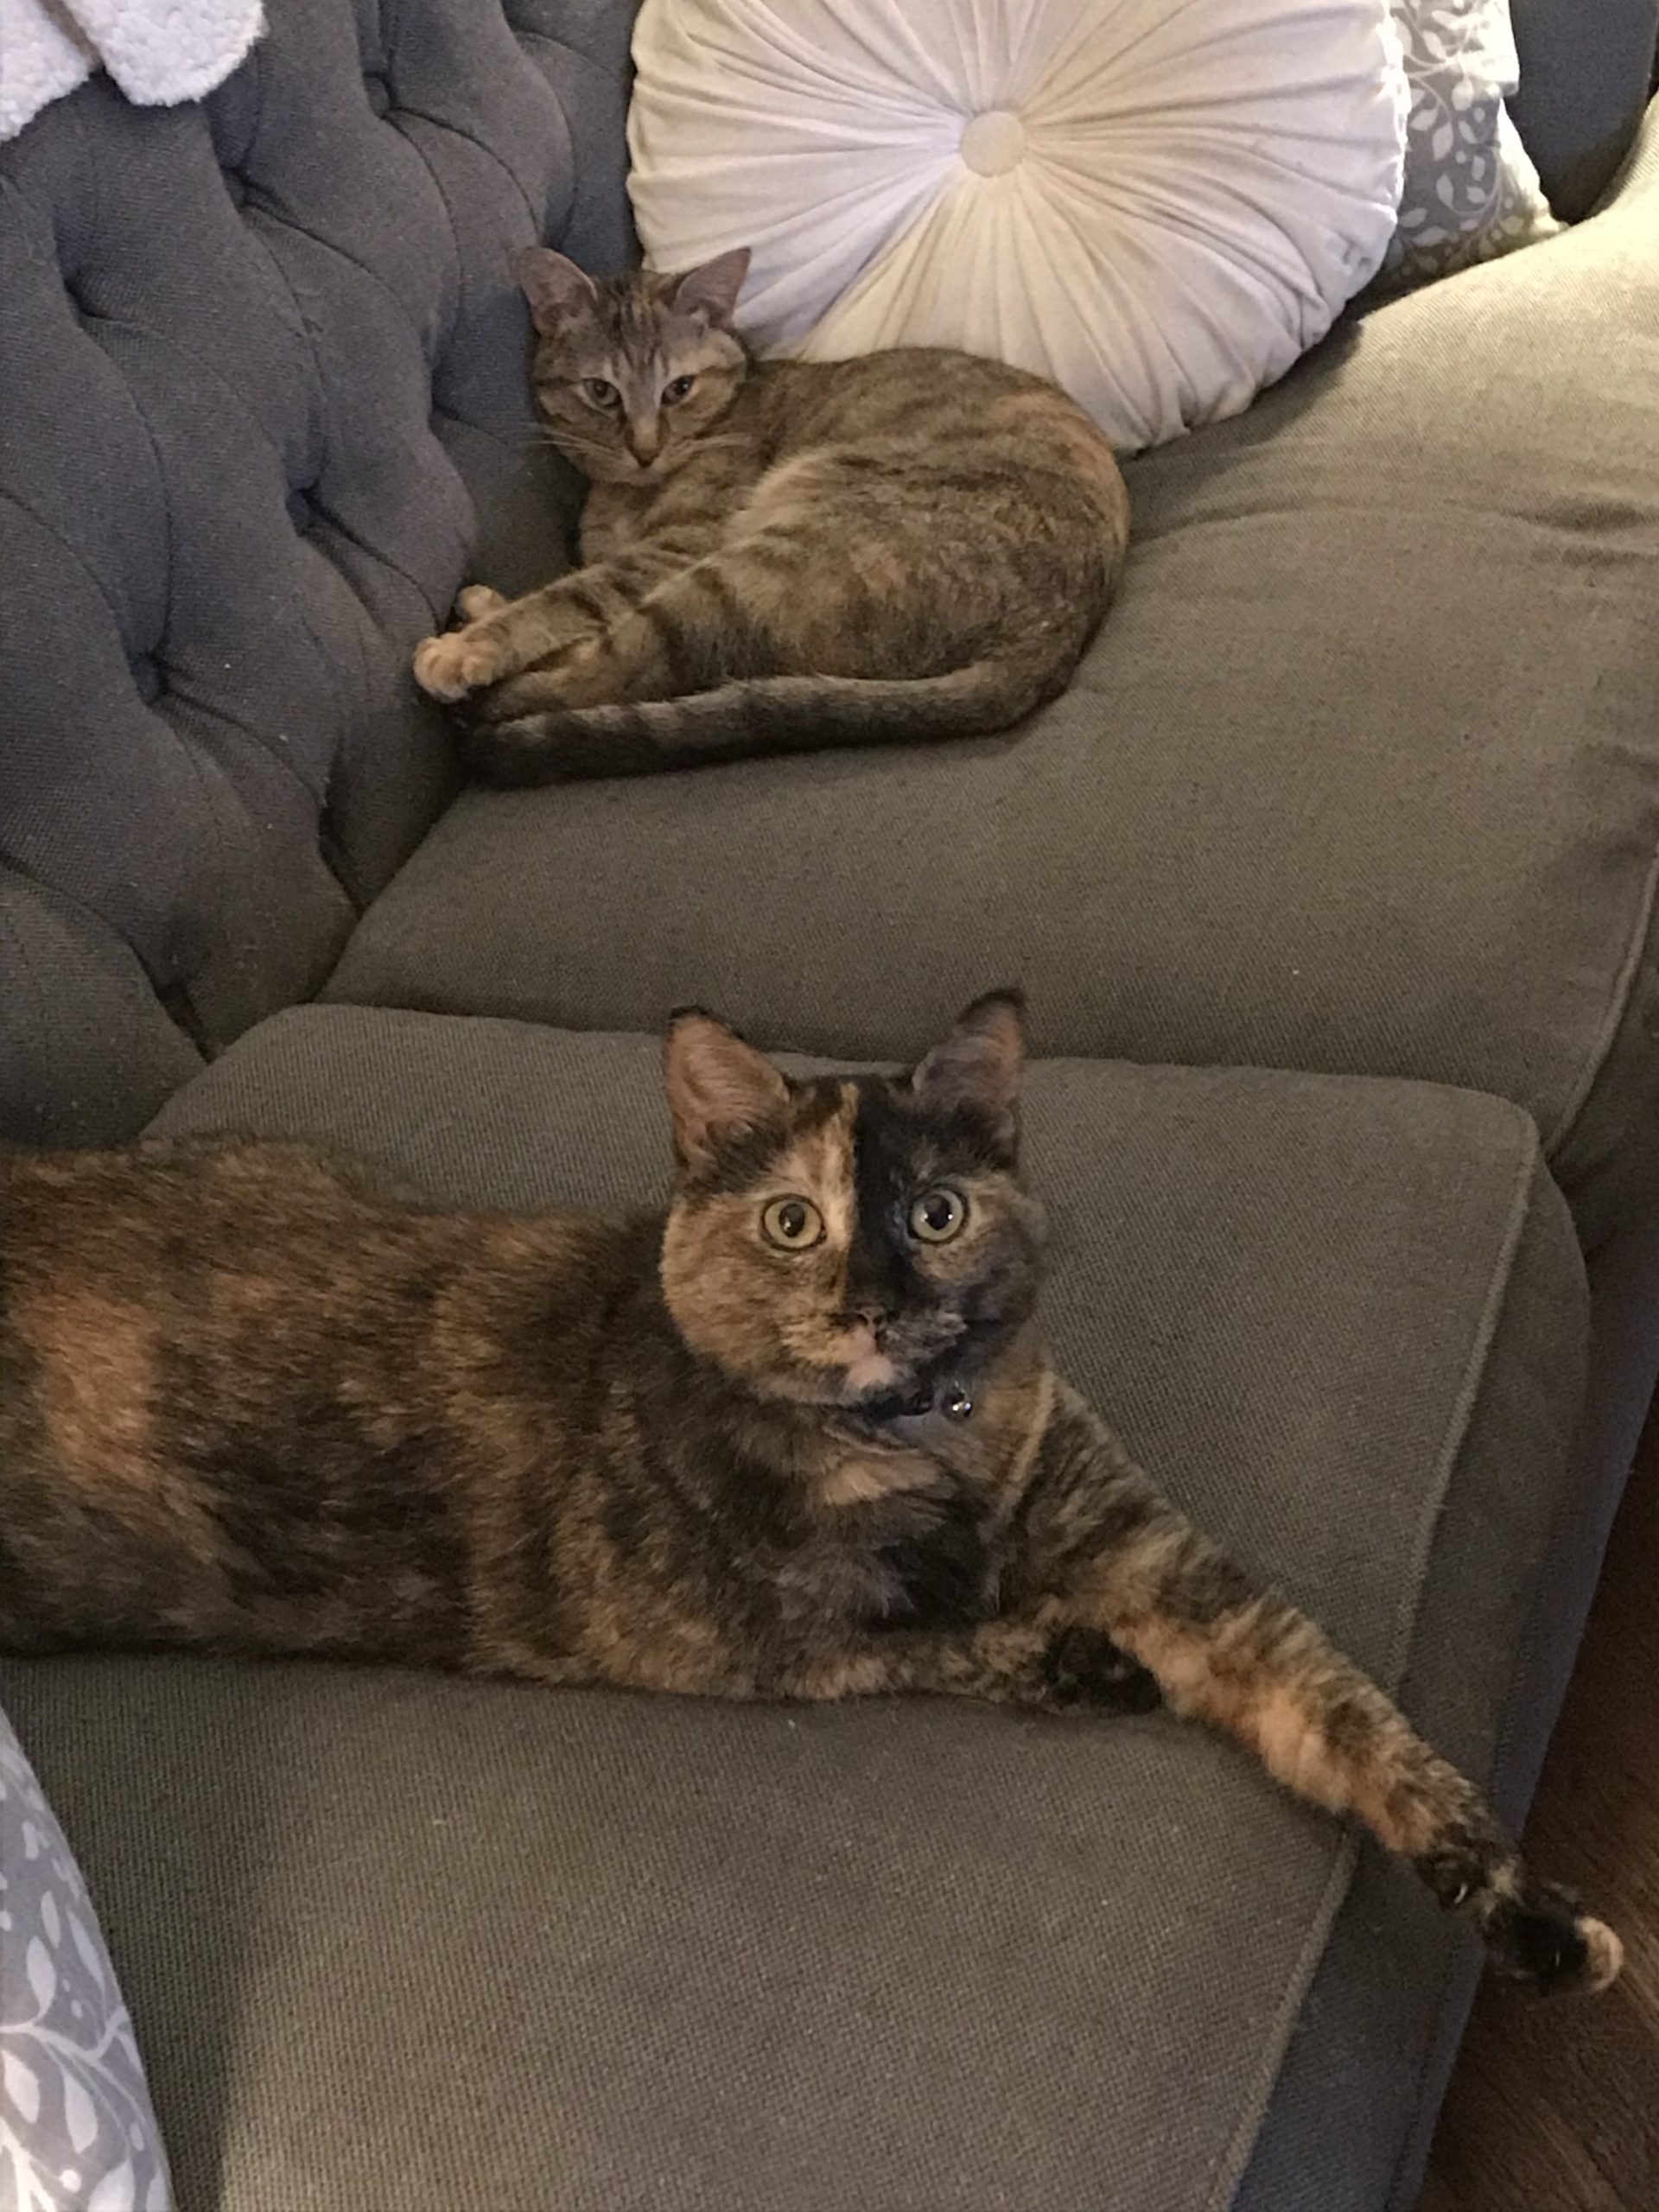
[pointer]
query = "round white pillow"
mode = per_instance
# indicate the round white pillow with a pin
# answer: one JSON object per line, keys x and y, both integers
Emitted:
{"x": 1158, "y": 203}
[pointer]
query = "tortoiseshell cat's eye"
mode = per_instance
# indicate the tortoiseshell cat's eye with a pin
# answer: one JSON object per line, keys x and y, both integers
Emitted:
{"x": 794, "y": 1223}
{"x": 938, "y": 1215}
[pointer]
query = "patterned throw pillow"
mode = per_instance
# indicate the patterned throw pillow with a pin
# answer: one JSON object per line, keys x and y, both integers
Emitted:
{"x": 77, "y": 2133}
{"x": 1471, "y": 189}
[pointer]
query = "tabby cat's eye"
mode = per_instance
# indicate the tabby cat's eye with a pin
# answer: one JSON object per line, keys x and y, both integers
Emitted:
{"x": 602, "y": 393}
{"x": 675, "y": 393}
{"x": 793, "y": 1223}
{"x": 937, "y": 1215}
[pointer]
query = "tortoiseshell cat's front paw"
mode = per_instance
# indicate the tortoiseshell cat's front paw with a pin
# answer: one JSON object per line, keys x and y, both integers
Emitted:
{"x": 449, "y": 667}
{"x": 1537, "y": 1932}
{"x": 1085, "y": 1671}
{"x": 1542, "y": 1937}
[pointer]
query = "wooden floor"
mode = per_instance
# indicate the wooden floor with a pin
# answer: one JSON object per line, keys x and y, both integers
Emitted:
{"x": 1555, "y": 2108}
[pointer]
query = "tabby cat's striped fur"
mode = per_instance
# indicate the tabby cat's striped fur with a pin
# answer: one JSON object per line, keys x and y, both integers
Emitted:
{"x": 780, "y": 556}
{"x": 798, "y": 1439}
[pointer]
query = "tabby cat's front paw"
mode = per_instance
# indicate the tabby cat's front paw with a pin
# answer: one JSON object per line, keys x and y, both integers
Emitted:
{"x": 477, "y": 601}
{"x": 448, "y": 667}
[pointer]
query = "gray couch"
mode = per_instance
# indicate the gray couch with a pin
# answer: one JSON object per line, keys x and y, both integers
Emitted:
{"x": 1332, "y": 883}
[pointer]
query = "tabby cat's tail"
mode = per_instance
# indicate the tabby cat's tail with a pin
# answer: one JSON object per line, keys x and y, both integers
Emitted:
{"x": 773, "y": 713}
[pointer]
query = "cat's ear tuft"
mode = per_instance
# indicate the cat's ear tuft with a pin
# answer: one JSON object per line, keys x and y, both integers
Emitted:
{"x": 718, "y": 1087}
{"x": 979, "y": 1067}
{"x": 712, "y": 289}
{"x": 555, "y": 287}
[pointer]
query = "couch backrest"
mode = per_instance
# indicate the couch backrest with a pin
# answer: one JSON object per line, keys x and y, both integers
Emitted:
{"x": 262, "y": 390}
{"x": 1586, "y": 73}
{"x": 262, "y": 399}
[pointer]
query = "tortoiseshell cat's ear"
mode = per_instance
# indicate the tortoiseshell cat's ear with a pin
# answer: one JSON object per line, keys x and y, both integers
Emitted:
{"x": 718, "y": 1087}
{"x": 712, "y": 289}
{"x": 979, "y": 1065}
{"x": 555, "y": 287}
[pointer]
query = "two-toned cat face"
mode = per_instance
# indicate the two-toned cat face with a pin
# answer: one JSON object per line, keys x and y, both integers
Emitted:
{"x": 630, "y": 371}
{"x": 850, "y": 1240}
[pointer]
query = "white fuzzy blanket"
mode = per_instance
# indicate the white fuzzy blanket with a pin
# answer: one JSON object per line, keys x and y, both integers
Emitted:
{"x": 158, "y": 51}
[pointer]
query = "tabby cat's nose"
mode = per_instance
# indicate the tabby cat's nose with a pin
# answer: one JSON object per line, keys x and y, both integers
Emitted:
{"x": 645, "y": 441}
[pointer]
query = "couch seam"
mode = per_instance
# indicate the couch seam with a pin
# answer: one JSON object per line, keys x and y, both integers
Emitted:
{"x": 1449, "y": 1976}
{"x": 1623, "y": 994}
{"x": 1233, "y": 2162}
{"x": 468, "y": 138}
{"x": 14, "y": 498}
{"x": 50, "y": 894}
{"x": 211, "y": 796}
{"x": 526, "y": 36}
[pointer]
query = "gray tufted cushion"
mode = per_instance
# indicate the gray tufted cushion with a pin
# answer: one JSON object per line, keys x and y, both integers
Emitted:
{"x": 264, "y": 388}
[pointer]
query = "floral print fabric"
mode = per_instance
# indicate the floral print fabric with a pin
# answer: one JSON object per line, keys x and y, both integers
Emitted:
{"x": 1471, "y": 189}
{"x": 77, "y": 2133}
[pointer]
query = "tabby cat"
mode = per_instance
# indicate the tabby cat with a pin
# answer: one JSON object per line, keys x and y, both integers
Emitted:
{"x": 780, "y": 556}
{"x": 798, "y": 1439}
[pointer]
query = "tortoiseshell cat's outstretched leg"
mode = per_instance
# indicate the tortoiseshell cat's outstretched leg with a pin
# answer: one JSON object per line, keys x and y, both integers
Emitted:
{"x": 1114, "y": 1555}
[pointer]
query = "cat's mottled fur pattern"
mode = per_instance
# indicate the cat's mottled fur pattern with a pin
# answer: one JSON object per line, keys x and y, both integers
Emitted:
{"x": 253, "y": 1398}
{"x": 780, "y": 556}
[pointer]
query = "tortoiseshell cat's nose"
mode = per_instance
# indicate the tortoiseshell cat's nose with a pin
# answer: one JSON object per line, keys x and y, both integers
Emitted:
{"x": 870, "y": 1316}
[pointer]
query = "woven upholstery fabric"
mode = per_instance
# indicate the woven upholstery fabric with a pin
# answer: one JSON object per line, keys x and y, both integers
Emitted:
{"x": 452, "y": 1948}
{"x": 1586, "y": 75}
{"x": 264, "y": 378}
{"x": 1361, "y": 774}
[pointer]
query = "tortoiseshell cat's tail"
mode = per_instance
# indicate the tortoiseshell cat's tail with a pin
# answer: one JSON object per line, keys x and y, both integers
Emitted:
{"x": 737, "y": 722}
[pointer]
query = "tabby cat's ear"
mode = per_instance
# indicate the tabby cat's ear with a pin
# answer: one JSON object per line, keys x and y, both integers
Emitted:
{"x": 718, "y": 1087}
{"x": 555, "y": 287}
{"x": 979, "y": 1066}
{"x": 712, "y": 289}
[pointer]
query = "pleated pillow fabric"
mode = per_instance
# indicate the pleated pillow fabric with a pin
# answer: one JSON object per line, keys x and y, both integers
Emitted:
{"x": 1159, "y": 203}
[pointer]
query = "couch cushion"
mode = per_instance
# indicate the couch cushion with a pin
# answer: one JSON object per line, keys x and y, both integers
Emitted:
{"x": 1363, "y": 774}
{"x": 265, "y": 384}
{"x": 404, "y": 1945}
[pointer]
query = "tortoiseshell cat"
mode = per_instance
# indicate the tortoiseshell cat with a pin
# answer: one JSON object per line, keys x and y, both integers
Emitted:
{"x": 798, "y": 1439}
{"x": 914, "y": 544}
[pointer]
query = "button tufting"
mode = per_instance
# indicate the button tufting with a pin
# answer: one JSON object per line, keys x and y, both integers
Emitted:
{"x": 147, "y": 677}
{"x": 380, "y": 93}
{"x": 993, "y": 143}
{"x": 301, "y": 512}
